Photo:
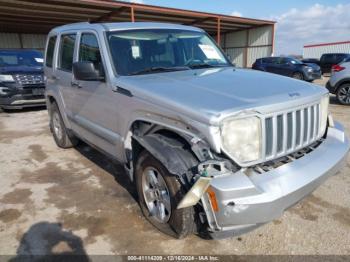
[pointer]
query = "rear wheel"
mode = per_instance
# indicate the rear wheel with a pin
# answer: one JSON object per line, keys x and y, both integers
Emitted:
{"x": 298, "y": 76}
{"x": 343, "y": 94}
{"x": 62, "y": 138}
{"x": 159, "y": 194}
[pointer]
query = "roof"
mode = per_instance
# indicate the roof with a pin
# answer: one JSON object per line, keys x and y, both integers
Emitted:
{"x": 33, "y": 16}
{"x": 123, "y": 26}
{"x": 327, "y": 44}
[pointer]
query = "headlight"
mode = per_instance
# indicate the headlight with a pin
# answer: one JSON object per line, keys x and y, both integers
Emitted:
{"x": 241, "y": 138}
{"x": 324, "y": 114}
{"x": 6, "y": 78}
{"x": 309, "y": 69}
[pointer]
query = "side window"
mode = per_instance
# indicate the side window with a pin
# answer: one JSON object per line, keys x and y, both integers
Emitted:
{"x": 50, "y": 50}
{"x": 274, "y": 60}
{"x": 65, "y": 61}
{"x": 89, "y": 50}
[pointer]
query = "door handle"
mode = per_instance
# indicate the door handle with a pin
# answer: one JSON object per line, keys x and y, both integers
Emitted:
{"x": 75, "y": 84}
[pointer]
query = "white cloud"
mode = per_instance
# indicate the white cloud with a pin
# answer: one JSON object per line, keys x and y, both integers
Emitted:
{"x": 236, "y": 13}
{"x": 315, "y": 24}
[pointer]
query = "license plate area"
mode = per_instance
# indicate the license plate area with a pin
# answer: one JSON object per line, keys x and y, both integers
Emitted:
{"x": 38, "y": 91}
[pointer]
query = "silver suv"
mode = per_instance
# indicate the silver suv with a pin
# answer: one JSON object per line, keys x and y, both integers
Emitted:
{"x": 339, "y": 82}
{"x": 211, "y": 149}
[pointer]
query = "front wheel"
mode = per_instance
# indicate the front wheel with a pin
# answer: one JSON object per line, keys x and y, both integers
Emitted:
{"x": 298, "y": 76}
{"x": 159, "y": 193}
{"x": 343, "y": 94}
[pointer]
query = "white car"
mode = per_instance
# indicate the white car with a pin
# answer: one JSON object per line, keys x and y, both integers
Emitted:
{"x": 339, "y": 82}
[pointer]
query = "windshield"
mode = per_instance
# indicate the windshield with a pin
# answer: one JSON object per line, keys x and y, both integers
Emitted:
{"x": 20, "y": 58}
{"x": 295, "y": 61}
{"x": 162, "y": 50}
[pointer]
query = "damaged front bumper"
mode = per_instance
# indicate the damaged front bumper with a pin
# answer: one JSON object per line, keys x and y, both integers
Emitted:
{"x": 246, "y": 201}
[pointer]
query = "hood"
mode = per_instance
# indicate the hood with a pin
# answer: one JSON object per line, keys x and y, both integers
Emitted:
{"x": 211, "y": 94}
{"x": 21, "y": 70}
{"x": 312, "y": 65}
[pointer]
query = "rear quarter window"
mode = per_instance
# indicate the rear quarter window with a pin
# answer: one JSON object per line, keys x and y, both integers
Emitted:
{"x": 50, "y": 51}
{"x": 66, "y": 53}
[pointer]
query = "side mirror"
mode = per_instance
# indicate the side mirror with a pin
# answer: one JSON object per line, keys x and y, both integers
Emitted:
{"x": 86, "y": 71}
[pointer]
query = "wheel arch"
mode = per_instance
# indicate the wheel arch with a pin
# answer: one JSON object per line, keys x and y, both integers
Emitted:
{"x": 340, "y": 83}
{"x": 177, "y": 150}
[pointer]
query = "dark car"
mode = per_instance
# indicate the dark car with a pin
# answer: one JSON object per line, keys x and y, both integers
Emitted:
{"x": 311, "y": 61}
{"x": 329, "y": 60}
{"x": 288, "y": 66}
{"x": 21, "y": 79}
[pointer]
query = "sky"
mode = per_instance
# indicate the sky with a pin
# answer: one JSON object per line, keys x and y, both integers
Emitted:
{"x": 299, "y": 22}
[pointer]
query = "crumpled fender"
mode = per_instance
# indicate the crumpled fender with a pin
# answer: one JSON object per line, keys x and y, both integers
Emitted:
{"x": 169, "y": 151}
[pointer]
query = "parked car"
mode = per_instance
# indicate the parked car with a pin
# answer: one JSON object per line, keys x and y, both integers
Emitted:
{"x": 339, "y": 82}
{"x": 288, "y": 66}
{"x": 329, "y": 60}
{"x": 21, "y": 79}
{"x": 311, "y": 61}
{"x": 209, "y": 147}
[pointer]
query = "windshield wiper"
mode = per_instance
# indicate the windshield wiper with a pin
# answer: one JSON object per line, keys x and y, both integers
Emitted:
{"x": 160, "y": 69}
{"x": 205, "y": 65}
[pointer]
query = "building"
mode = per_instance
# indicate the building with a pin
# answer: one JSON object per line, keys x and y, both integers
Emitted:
{"x": 316, "y": 50}
{"x": 25, "y": 23}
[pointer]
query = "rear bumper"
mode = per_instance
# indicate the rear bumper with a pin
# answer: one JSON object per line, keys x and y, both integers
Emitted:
{"x": 247, "y": 202}
{"x": 330, "y": 87}
{"x": 313, "y": 76}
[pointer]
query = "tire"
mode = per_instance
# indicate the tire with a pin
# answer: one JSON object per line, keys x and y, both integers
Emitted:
{"x": 343, "y": 94}
{"x": 177, "y": 223}
{"x": 59, "y": 131}
{"x": 298, "y": 76}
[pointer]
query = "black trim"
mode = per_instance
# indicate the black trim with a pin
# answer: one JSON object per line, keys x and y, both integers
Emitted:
{"x": 345, "y": 80}
{"x": 123, "y": 91}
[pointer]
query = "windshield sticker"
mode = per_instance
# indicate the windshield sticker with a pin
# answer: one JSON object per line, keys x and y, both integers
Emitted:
{"x": 135, "y": 50}
{"x": 210, "y": 52}
{"x": 39, "y": 60}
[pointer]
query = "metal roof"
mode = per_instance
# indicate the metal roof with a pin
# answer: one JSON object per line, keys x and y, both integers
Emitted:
{"x": 123, "y": 26}
{"x": 36, "y": 16}
{"x": 327, "y": 44}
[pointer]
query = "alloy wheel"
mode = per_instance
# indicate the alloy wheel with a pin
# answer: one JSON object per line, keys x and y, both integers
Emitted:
{"x": 57, "y": 127}
{"x": 344, "y": 94}
{"x": 156, "y": 194}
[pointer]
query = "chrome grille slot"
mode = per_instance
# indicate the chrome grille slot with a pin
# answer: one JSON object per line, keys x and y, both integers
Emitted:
{"x": 279, "y": 133}
{"x": 268, "y": 132}
{"x": 32, "y": 79}
{"x": 290, "y": 131}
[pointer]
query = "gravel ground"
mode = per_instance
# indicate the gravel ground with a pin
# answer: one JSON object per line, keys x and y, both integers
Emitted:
{"x": 56, "y": 201}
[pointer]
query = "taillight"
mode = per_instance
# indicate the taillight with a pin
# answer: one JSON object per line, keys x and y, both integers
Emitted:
{"x": 337, "y": 68}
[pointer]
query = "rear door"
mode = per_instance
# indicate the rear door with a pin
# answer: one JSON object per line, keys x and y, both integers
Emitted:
{"x": 49, "y": 62}
{"x": 272, "y": 65}
{"x": 63, "y": 75}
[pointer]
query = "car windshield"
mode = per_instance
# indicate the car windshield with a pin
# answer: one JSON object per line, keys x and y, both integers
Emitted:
{"x": 162, "y": 50}
{"x": 20, "y": 58}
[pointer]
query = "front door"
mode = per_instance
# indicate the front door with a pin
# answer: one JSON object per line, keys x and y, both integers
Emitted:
{"x": 95, "y": 112}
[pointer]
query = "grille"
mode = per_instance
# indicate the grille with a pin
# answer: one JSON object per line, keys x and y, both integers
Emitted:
{"x": 290, "y": 131}
{"x": 34, "y": 79}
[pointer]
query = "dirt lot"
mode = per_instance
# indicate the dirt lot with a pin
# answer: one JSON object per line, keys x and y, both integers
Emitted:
{"x": 77, "y": 201}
